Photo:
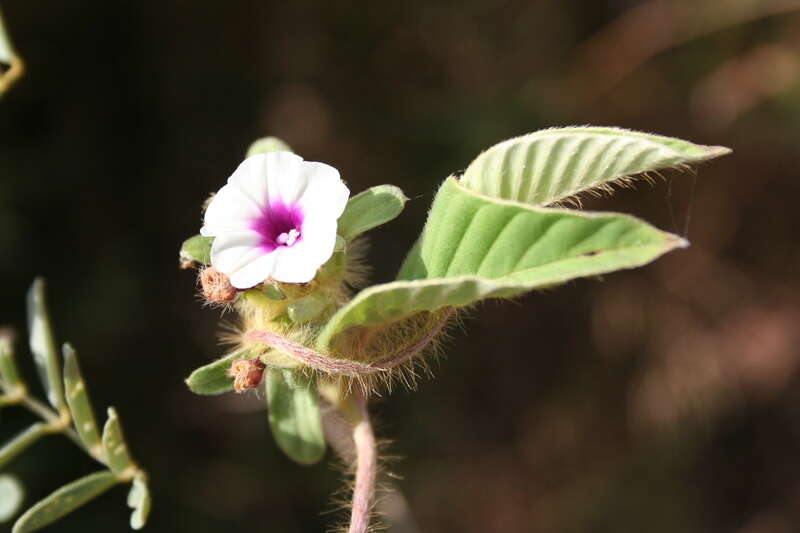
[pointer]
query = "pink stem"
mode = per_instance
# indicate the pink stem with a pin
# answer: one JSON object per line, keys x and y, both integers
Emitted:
{"x": 345, "y": 367}
{"x": 366, "y": 471}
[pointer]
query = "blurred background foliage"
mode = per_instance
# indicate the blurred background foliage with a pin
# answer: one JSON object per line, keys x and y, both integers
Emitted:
{"x": 664, "y": 399}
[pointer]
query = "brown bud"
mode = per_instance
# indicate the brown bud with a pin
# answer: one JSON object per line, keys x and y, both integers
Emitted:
{"x": 217, "y": 286}
{"x": 246, "y": 374}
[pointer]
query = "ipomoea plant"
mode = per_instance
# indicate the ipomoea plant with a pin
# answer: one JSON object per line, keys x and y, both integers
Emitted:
{"x": 279, "y": 245}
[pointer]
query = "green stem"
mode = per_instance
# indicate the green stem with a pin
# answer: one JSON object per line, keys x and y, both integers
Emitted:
{"x": 57, "y": 422}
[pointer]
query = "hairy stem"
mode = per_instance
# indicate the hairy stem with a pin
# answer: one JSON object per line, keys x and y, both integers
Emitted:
{"x": 345, "y": 367}
{"x": 349, "y": 431}
{"x": 366, "y": 470}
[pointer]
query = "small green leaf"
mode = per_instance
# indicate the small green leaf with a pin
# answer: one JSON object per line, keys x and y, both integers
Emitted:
{"x": 294, "y": 415}
{"x": 11, "y": 497}
{"x": 65, "y": 500}
{"x": 213, "y": 378}
{"x": 369, "y": 209}
{"x": 20, "y": 443}
{"x": 266, "y": 145}
{"x": 197, "y": 249}
{"x": 8, "y": 367}
{"x": 474, "y": 247}
{"x": 115, "y": 447}
{"x": 79, "y": 404}
{"x": 272, "y": 291}
{"x": 551, "y": 165}
{"x": 139, "y": 500}
{"x": 43, "y": 345}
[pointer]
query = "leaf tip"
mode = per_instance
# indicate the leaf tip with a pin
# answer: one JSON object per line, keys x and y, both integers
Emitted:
{"x": 713, "y": 152}
{"x": 68, "y": 350}
{"x": 680, "y": 242}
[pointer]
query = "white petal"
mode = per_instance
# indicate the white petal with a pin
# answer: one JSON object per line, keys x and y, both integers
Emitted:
{"x": 229, "y": 210}
{"x": 286, "y": 176}
{"x": 291, "y": 266}
{"x": 326, "y": 194}
{"x": 233, "y": 252}
{"x": 258, "y": 177}
{"x": 318, "y": 239}
{"x": 253, "y": 272}
{"x": 299, "y": 263}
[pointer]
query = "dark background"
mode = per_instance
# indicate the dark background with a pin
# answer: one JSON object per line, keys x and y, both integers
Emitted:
{"x": 665, "y": 399}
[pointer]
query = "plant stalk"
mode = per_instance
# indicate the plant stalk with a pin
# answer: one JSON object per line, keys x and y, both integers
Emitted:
{"x": 57, "y": 422}
{"x": 366, "y": 470}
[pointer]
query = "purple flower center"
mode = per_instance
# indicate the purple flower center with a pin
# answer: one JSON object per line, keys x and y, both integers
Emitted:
{"x": 279, "y": 225}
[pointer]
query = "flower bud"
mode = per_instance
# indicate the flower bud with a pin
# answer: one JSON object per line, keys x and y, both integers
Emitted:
{"x": 246, "y": 374}
{"x": 217, "y": 286}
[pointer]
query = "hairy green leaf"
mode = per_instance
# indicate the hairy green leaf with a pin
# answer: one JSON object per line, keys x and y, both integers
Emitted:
{"x": 197, "y": 249}
{"x": 8, "y": 367}
{"x": 266, "y": 145}
{"x": 43, "y": 345}
{"x": 213, "y": 378}
{"x": 65, "y": 500}
{"x": 79, "y": 404}
{"x": 474, "y": 247}
{"x": 139, "y": 500}
{"x": 11, "y": 497}
{"x": 369, "y": 209}
{"x": 552, "y": 165}
{"x": 294, "y": 415}
{"x": 115, "y": 447}
{"x": 20, "y": 443}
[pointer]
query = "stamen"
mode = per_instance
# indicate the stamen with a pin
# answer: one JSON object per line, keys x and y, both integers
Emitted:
{"x": 288, "y": 239}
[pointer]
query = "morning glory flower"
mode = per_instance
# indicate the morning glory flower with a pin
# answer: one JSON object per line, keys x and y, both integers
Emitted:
{"x": 275, "y": 219}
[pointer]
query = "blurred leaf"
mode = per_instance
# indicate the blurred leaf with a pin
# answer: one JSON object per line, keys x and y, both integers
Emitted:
{"x": 266, "y": 145}
{"x": 213, "y": 378}
{"x": 303, "y": 310}
{"x": 551, "y": 165}
{"x": 114, "y": 445}
{"x": 340, "y": 244}
{"x": 8, "y": 367}
{"x": 43, "y": 345}
{"x": 79, "y": 404}
{"x": 272, "y": 291}
{"x": 369, "y": 209}
{"x": 11, "y": 497}
{"x": 294, "y": 415}
{"x": 65, "y": 500}
{"x": 139, "y": 500}
{"x": 197, "y": 249}
{"x": 8, "y": 58}
{"x": 6, "y": 49}
{"x": 474, "y": 247}
{"x": 20, "y": 443}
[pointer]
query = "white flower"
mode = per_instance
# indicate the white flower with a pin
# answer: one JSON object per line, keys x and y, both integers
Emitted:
{"x": 275, "y": 218}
